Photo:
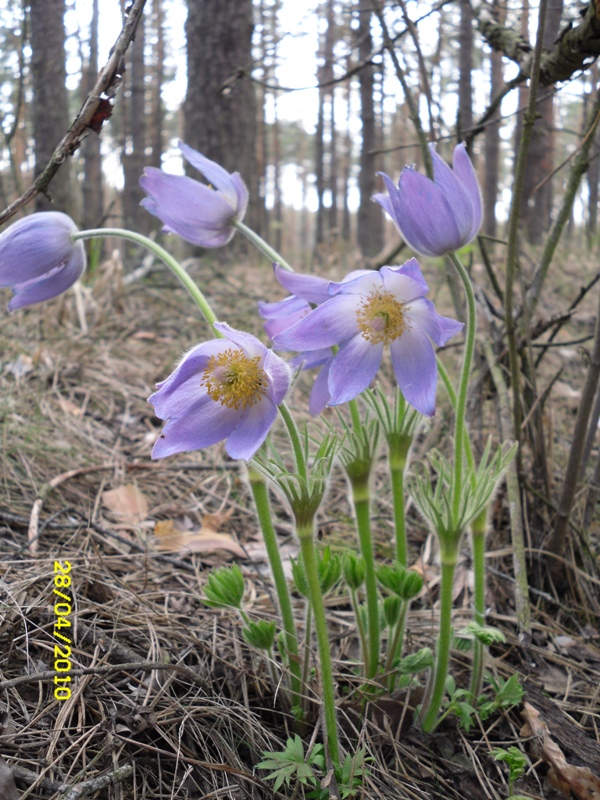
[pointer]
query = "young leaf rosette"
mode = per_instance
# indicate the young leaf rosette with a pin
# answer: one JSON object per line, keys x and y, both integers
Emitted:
{"x": 225, "y": 389}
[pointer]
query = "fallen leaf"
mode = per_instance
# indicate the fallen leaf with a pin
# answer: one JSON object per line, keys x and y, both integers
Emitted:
{"x": 70, "y": 408}
{"x": 204, "y": 540}
{"x": 567, "y": 777}
{"x": 20, "y": 367}
{"x": 127, "y": 502}
{"x": 8, "y": 789}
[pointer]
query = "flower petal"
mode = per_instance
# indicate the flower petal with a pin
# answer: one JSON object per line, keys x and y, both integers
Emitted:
{"x": 251, "y": 430}
{"x": 424, "y": 216}
{"x": 319, "y": 396}
{"x": 311, "y": 288}
{"x": 251, "y": 346}
{"x": 415, "y": 368}
{"x": 463, "y": 169}
{"x": 188, "y": 208}
{"x": 455, "y": 193}
{"x": 353, "y": 368}
{"x": 440, "y": 329}
{"x": 203, "y": 424}
{"x": 214, "y": 173}
{"x": 330, "y": 323}
{"x": 36, "y": 244}
{"x": 279, "y": 374}
{"x": 405, "y": 282}
{"x": 52, "y": 284}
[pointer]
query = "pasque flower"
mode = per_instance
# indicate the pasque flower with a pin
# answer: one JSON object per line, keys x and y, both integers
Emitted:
{"x": 363, "y": 316}
{"x": 39, "y": 259}
{"x": 439, "y": 216}
{"x": 306, "y": 291}
{"x": 195, "y": 211}
{"x": 226, "y": 388}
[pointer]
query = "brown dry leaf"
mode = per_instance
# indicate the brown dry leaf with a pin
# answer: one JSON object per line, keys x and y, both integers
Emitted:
{"x": 567, "y": 777}
{"x": 8, "y": 789}
{"x": 127, "y": 502}
{"x": 70, "y": 408}
{"x": 204, "y": 540}
{"x": 217, "y": 520}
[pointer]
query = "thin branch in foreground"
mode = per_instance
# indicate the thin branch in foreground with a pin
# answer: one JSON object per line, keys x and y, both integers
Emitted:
{"x": 95, "y": 109}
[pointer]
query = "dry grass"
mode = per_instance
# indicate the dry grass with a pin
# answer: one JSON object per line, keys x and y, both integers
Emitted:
{"x": 167, "y": 700}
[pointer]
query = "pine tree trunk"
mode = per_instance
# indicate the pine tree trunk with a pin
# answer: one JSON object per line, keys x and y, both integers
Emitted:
{"x": 92, "y": 160}
{"x": 220, "y": 106}
{"x": 492, "y": 144}
{"x": 133, "y": 156}
{"x": 50, "y": 108}
{"x": 464, "y": 121}
{"x": 155, "y": 137}
{"x": 370, "y": 217}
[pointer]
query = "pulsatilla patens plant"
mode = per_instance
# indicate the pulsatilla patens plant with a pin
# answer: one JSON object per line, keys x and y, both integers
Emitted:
{"x": 232, "y": 388}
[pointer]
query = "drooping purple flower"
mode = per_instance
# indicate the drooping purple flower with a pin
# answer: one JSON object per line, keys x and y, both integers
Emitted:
{"x": 306, "y": 291}
{"x": 435, "y": 216}
{"x": 39, "y": 259}
{"x": 363, "y": 316}
{"x": 222, "y": 389}
{"x": 195, "y": 211}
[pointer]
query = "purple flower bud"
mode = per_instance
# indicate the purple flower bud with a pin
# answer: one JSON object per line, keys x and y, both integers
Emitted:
{"x": 439, "y": 216}
{"x": 39, "y": 259}
{"x": 202, "y": 214}
{"x": 223, "y": 389}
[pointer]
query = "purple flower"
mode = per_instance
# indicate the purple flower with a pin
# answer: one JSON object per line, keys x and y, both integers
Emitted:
{"x": 439, "y": 216}
{"x": 39, "y": 259}
{"x": 198, "y": 213}
{"x": 223, "y": 389}
{"x": 364, "y": 315}
{"x": 306, "y": 291}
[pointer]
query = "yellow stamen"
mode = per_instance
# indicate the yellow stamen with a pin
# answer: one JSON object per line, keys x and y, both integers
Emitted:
{"x": 381, "y": 318}
{"x": 234, "y": 379}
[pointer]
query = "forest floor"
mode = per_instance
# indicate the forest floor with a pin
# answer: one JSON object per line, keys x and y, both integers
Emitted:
{"x": 167, "y": 700}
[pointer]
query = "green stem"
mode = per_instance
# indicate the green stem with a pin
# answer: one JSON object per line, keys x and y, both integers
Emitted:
{"x": 165, "y": 257}
{"x": 361, "y": 631}
{"x": 260, "y": 243}
{"x": 263, "y": 509}
{"x": 478, "y": 544}
{"x": 397, "y": 478}
{"x": 307, "y": 635}
{"x": 395, "y": 646}
{"x": 442, "y": 652}
{"x": 305, "y": 535}
{"x": 463, "y": 386}
{"x": 360, "y": 496}
{"x": 354, "y": 413}
{"x": 295, "y": 440}
{"x": 452, "y": 397}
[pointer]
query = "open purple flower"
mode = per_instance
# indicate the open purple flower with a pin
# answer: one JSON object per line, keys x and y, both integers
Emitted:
{"x": 39, "y": 259}
{"x": 364, "y": 315}
{"x": 223, "y": 389}
{"x": 306, "y": 291}
{"x": 199, "y": 213}
{"x": 439, "y": 216}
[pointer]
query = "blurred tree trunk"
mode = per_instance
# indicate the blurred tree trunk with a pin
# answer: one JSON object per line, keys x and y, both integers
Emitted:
{"x": 50, "y": 105}
{"x": 492, "y": 140}
{"x": 370, "y": 218}
{"x": 155, "y": 137}
{"x": 464, "y": 120}
{"x": 347, "y": 164}
{"x": 133, "y": 154}
{"x": 92, "y": 159}
{"x": 220, "y": 106}
{"x": 325, "y": 142}
{"x": 593, "y": 174}
{"x": 537, "y": 202}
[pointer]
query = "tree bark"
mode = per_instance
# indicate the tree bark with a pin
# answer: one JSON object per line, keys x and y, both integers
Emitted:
{"x": 220, "y": 106}
{"x": 155, "y": 137}
{"x": 92, "y": 160}
{"x": 50, "y": 107}
{"x": 133, "y": 155}
{"x": 492, "y": 146}
{"x": 464, "y": 121}
{"x": 369, "y": 219}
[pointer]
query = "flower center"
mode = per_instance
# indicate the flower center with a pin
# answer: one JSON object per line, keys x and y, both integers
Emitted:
{"x": 381, "y": 318}
{"x": 234, "y": 380}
